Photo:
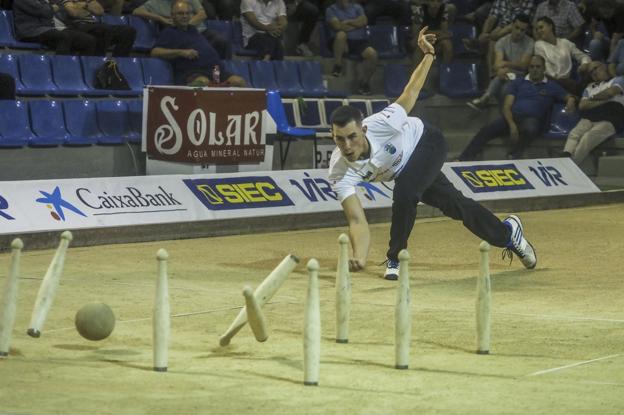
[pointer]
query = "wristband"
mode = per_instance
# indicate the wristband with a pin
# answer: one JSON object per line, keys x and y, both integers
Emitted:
{"x": 430, "y": 53}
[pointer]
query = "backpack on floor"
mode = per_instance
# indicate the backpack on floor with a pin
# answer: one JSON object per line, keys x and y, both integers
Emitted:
{"x": 108, "y": 76}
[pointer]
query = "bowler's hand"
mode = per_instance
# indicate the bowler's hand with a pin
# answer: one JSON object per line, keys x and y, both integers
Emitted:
{"x": 426, "y": 41}
{"x": 356, "y": 265}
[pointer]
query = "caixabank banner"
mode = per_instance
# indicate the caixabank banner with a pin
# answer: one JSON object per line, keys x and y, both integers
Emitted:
{"x": 44, "y": 205}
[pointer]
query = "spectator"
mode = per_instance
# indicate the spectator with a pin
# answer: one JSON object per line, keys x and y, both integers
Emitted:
{"x": 434, "y": 14}
{"x": 511, "y": 60}
{"x": 498, "y": 24}
{"x": 191, "y": 55}
{"x": 399, "y": 10}
{"x": 307, "y": 12}
{"x": 34, "y": 22}
{"x": 114, "y": 7}
{"x": 602, "y": 113}
{"x": 527, "y": 106}
{"x": 221, "y": 9}
{"x": 160, "y": 12}
{"x": 264, "y": 23}
{"x": 80, "y": 15}
{"x": 566, "y": 16}
{"x": 347, "y": 22}
{"x": 616, "y": 60}
{"x": 7, "y": 86}
{"x": 558, "y": 54}
{"x": 480, "y": 13}
{"x": 606, "y": 26}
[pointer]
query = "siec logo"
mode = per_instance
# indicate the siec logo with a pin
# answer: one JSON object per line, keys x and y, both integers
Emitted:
{"x": 55, "y": 202}
{"x": 494, "y": 178}
{"x": 238, "y": 193}
{"x": 4, "y": 204}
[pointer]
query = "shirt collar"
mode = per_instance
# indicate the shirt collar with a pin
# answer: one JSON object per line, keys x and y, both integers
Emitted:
{"x": 543, "y": 81}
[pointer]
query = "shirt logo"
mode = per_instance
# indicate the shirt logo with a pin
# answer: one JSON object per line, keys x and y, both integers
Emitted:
{"x": 389, "y": 148}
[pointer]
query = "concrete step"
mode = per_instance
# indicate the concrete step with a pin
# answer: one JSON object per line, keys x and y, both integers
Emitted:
{"x": 611, "y": 166}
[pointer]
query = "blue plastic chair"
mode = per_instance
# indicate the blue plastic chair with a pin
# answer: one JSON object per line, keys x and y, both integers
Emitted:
{"x": 561, "y": 122}
{"x": 8, "y": 65}
{"x": 385, "y": 40}
{"x": 7, "y": 34}
{"x": 81, "y": 122}
{"x": 240, "y": 68}
{"x": 132, "y": 69}
{"x": 224, "y": 29}
{"x": 90, "y": 65}
{"x": 156, "y": 72}
{"x": 47, "y": 123}
{"x": 36, "y": 74}
{"x": 237, "y": 41}
{"x": 361, "y": 105}
{"x": 113, "y": 120}
{"x": 310, "y": 113}
{"x": 287, "y": 74}
{"x": 135, "y": 113}
{"x": 262, "y": 75}
{"x": 14, "y": 126}
{"x": 146, "y": 33}
{"x": 329, "y": 105}
{"x": 459, "y": 80}
{"x": 311, "y": 75}
{"x": 285, "y": 132}
{"x": 67, "y": 75}
{"x": 395, "y": 79}
{"x": 462, "y": 30}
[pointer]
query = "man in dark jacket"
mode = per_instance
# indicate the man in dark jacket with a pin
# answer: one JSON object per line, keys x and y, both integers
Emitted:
{"x": 35, "y": 22}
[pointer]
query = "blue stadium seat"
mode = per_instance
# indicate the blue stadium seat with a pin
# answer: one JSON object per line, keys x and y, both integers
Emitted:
{"x": 262, "y": 75}
{"x": 385, "y": 40}
{"x": 224, "y": 29}
{"x": 561, "y": 122}
{"x": 133, "y": 71}
{"x": 459, "y": 80}
{"x": 462, "y": 30}
{"x": 310, "y": 113}
{"x": 135, "y": 112}
{"x": 67, "y": 75}
{"x": 7, "y": 33}
{"x": 361, "y": 104}
{"x": 8, "y": 65}
{"x": 289, "y": 108}
{"x": 237, "y": 41}
{"x": 90, "y": 65}
{"x": 329, "y": 105}
{"x": 36, "y": 74}
{"x": 14, "y": 126}
{"x": 285, "y": 132}
{"x": 113, "y": 120}
{"x": 157, "y": 72}
{"x": 287, "y": 75}
{"x": 240, "y": 68}
{"x": 47, "y": 123}
{"x": 81, "y": 122}
{"x": 146, "y": 33}
{"x": 379, "y": 104}
{"x": 311, "y": 75}
{"x": 395, "y": 79}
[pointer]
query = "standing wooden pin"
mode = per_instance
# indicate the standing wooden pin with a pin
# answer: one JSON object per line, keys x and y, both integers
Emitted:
{"x": 312, "y": 328}
{"x": 343, "y": 291}
{"x": 483, "y": 301}
{"x": 9, "y": 298}
{"x": 402, "y": 317}
{"x": 48, "y": 287}
{"x": 161, "y": 319}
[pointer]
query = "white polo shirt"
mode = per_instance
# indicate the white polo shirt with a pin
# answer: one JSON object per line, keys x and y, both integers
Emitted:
{"x": 392, "y": 137}
{"x": 266, "y": 13}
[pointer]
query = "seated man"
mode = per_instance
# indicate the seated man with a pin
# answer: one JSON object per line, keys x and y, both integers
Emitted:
{"x": 616, "y": 60}
{"x": 527, "y": 106}
{"x": 347, "y": 22}
{"x": 160, "y": 12}
{"x": 7, "y": 86}
{"x": 399, "y": 10}
{"x": 263, "y": 23}
{"x": 81, "y": 15}
{"x": 34, "y": 22}
{"x": 511, "y": 60}
{"x": 307, "y": 13}
{"x": 191, "y": 55}
{"x": 602, "y": 113}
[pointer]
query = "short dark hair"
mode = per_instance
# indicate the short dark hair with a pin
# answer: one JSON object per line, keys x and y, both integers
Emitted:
{"x": 540, "y": 57}
{"x": 523, "y": 18}
{"x": 343, "y": 115}
{"x": 547, "y": 20}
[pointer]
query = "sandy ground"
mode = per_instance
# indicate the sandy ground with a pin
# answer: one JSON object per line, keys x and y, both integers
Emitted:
{"x": 568, "y": 311}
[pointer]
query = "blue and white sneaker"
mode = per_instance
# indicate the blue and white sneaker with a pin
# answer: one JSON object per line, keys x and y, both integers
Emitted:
{"x": 518, "y": 244}
{"x": 392, "y": 270}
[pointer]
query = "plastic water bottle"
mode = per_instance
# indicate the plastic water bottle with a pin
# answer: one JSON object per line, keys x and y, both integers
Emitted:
{"x": 216, "y": 74}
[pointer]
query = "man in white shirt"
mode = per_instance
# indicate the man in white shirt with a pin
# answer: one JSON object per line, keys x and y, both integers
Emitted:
{"x": 264, "y": 23}
{"x": 391, "y": 145}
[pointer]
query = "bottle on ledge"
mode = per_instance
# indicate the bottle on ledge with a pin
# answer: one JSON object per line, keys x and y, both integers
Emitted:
{"x": 216, "y": 75}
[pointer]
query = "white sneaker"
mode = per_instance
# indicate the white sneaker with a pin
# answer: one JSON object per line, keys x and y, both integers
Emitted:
{"x": 478, "y": 104}
{"x": 304, "y": 50}
{"x": 518, "y": 244}
{"x": 392, "y": 270}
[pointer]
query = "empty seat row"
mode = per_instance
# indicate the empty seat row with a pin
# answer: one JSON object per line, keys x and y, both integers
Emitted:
{"x": 146, "y": 32}
{"x": 60, "y": 75}
{"x": 49, "y": 123}
{"x": 457, "y": 80}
